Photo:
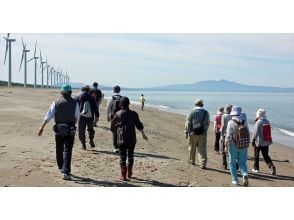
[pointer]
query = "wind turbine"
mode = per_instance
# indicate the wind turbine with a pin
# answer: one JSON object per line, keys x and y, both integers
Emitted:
{"x": 24, "y": 57}
{"x": 47, "y": 67}
{"x": 51, "y": 76}
{"x": 42, "y": 69}
{"x": 8, "y": 48}
{"x": 35, "y": 58}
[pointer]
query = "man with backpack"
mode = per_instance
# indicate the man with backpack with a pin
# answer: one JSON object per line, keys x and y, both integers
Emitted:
{"x": 113, "y": 106}
{"x": 226, "y": 117}
{"x": 66, "y": 113}
{"x": 124, "y": 124}
{"x": 216, "y": 128}
{"x": 89, "y": 111}
{"x": 261, "y": 140}
{"x": 237, "y": 143}
{"x": 196, "y": 128}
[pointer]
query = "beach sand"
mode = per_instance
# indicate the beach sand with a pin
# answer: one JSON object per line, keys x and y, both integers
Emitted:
{"x": 29, "y": 160}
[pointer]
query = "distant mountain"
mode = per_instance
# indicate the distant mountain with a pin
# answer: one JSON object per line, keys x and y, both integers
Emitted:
{"x": 220, "y": 86}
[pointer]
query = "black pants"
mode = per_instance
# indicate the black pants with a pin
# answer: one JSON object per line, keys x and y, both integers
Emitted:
{"x": 142, "y": 106}
{"x": 83, "y": 124}
{"x": 216, "y": 144}
{"x": 114, "y": 140}
{"x": 126, "y": 152}
{"x": 264, "y": 151}
{"x": 224, "y": 155}
{"x": 64, "y": 147}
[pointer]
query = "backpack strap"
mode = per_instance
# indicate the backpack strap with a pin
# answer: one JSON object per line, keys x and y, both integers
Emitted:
{"x": 237, "y": 122}
{"x": 204, "y": 116}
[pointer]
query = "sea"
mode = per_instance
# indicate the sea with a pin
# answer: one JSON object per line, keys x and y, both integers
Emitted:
{"x": 279, "y": 106}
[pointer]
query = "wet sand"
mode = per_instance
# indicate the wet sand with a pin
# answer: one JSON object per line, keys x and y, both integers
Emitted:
{"x": 29, "y": 160}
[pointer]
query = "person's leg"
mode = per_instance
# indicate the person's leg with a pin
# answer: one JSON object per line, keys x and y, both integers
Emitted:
{"x": 82, "y": 131}
{"x": 216, "y": 144}
{"x": 91, "y": 131}
{"x": 232, "y": 162}
{"x": 202, "y": 150}
{"x": 256, "y": 158}
{"x": 59, "y": 151}
{"x": 123, "y": 164}
{"x": 193, "y": 148}
{"x": 114, "y": 141}
{"x": 68, "y": 145}
{"x": 266, "y": 157}
{"x": 224, "y": 155}
{"x": 130, "y": 161}
{"x": 242, "y": 161}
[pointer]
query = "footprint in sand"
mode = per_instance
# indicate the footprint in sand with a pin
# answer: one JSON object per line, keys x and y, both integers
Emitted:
{"x": 2, "y": 146}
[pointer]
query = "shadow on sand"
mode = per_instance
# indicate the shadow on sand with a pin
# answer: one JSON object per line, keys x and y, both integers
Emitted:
{"x": 261, "y": 159}
{"x": 151, "y": 182}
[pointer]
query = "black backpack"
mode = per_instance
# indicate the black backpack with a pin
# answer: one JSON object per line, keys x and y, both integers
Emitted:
{"x": 115, "y": 106}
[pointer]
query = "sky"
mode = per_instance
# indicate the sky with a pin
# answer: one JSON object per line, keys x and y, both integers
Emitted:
{"x": 146, "y": 60}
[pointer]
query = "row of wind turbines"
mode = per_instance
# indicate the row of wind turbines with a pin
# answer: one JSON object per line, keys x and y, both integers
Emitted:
{"x": 54, "y": 77}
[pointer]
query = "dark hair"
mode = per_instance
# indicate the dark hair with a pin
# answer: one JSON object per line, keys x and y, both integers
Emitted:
{"x": 66, "y": 95}
{"x": 116, "y": 89}
{"x": 142, "y": 95}
{"x": 124, "y": 102}
{"x": 86, "y": 88}
{"x": 95, "y": 84}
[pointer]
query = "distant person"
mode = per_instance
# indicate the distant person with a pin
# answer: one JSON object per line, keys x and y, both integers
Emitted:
{"x": 226, "y": 117}
{"x": 142, "y": 102}
{"x": 97, "y": 94}
{"x": 217, "y": 123}
{"x": 237, "y": 142}
{"x": 261, "y": 140}
{"x": 66, "y": 113}
{"x": 113, "y": 106}
{"x": 196, "y": 128}
{"x": 124, "y": 124}
{"x": 89, "y": 111}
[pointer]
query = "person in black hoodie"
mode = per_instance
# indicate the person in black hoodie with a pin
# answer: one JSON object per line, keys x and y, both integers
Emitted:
{"x": 124, "y": 124}
{"x": 88, "y": 110}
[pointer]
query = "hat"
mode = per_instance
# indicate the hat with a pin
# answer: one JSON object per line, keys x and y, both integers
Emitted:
{"x": 228, "y": 108}
{"x": 220, "y": 110}
{"x": 124, "y": 101}
{"x": 65, "y": 88}
{"x": 198, "y": 102}
{"x": 236, "y": 111}
{"x": 260, "y": 113}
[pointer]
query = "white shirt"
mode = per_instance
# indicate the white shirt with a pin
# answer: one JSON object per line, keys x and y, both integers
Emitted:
{"x": 50, "y": 114}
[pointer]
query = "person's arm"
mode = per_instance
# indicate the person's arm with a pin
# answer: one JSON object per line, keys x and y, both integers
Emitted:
{"x": 229, "y": 136}
{"x": 214, "y": 125}
{"x": 108, "y": 109}
{"x": 139, "y": 125}
{"x": 49, "y": 115}
{"x": 77, "y": 112}
{"x": 114, "y": 122}
{"x": 188, "y": 125}
{"x": 94, "y": 107}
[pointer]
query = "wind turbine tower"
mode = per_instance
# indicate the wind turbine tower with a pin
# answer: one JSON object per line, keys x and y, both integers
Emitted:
{"x": 42, "y": 69}
{"x": 8, "y": 49}
{"x": 24, "y": 58}
{"x": 35, "y": 58}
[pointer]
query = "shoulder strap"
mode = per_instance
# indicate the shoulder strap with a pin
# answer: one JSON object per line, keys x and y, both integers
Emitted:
{"x": 204, "y": 116}
{"x": 238, "y": 123}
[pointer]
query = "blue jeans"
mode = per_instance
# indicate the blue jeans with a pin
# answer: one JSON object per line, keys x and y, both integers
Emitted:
{"x": 241, "y": 155}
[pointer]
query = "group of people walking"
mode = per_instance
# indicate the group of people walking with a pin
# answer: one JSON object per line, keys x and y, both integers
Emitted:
{"x": 231, "y": 137}
{"x": 230, "y": 128}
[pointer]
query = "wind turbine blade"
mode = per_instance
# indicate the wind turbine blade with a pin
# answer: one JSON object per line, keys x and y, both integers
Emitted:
{"x": 30, "y": 59}
{"x": 40, "y": 59}
{"x": 21, "y": 60}
{"x": 23, "y": 45}
{"x": 6, "y": 51}
{"x": 8, "y": 35}
{"x": 35, "y": 49}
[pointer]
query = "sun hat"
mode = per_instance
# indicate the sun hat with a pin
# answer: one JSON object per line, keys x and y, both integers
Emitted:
{"x": 65, "y": 88}
{"x": 260, "y": 113}
{"x": 236, "y": 111}
{"x": 198, "y": 102}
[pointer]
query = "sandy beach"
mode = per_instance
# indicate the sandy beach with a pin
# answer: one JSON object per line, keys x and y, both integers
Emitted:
{"x": 29, "y": 160}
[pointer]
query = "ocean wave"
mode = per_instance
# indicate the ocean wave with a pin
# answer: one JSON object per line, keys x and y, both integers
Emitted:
{"x": 284, "y": 131}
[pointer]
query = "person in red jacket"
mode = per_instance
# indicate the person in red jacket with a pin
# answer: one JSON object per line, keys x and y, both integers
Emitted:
{"x": 216, "y": 127}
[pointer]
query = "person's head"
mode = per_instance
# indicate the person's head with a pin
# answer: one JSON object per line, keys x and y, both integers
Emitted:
{"x": 86, "y": 88}
{"x": 260, "y": 114}
{"x": 65, "y": 90}
{"x": 116, "y": 89}
{"x": 124, "y": 102}
{"x": 220, "y": 111}
{"x": 142, "y": 95}
{"x": 95, "y": 85}
{"x": 228, "y": 109}
{"x": 198, "y": 102}
{"x": 236, "y": 112}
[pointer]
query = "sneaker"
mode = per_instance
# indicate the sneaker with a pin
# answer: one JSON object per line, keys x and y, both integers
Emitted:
{"x": 234, "y": 182}
{"x": 245, "y": 181}
{"x": 84, "y": 146}
{"x": 66, "y": 176}
{"x": 191, "y": 162}
{"x": 116, "y": 150}
{"x": 92, "y": 143}
{"x": 273, "y": 170}
{"x": 202, "y": 167}
{"x": 255, "y": 171}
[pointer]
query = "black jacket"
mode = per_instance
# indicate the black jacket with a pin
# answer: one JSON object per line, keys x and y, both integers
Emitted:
{"x": 124, "y": 124}
{"x": 84, "y": 97}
